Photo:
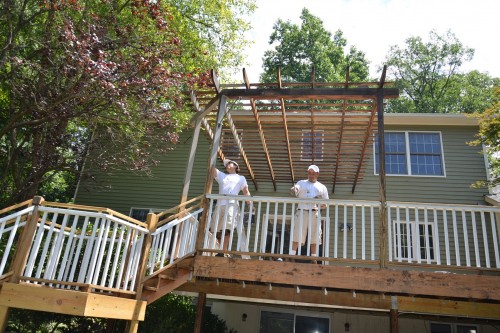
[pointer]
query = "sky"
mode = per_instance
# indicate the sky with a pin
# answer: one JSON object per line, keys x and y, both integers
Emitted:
{"x": 373, "y": 26}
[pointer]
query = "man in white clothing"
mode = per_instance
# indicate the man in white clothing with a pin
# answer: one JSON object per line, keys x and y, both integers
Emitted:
{"x": 307, "y": 215}
{"x": 230, "y": 183}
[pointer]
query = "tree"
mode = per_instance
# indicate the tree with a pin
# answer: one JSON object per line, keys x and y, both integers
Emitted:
{"x": 174, "y": 313}
{"x": 429, "y": 78}
{"x": 78, "y": 75}
{"x": 298, "y": 48}
{"x": 489, "y": 135}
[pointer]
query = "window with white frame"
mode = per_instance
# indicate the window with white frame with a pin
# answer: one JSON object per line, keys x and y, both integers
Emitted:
{"x": 413, "y": 241}
{"x": 452, "y": 328}
{"x": 281, "y": 322}
{"x": 412, "y": 153}
{"x": 312, "y": 149}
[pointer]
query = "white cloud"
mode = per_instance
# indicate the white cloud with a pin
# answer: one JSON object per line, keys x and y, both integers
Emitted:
{"x": 375, "y": 25}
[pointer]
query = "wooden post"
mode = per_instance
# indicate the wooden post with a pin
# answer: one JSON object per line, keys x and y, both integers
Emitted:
{"x": 382, "y": 188}
{"x": 21, "y": 253}
{"x": 4, "y": 315}
{"x": 394, "y": 321}
{"x": 152, "y": 221}
{"x": 189, "y": 167}
{"x": 200, "y": 311}
{"x": 211, "y": 164}
{"x": 24, "y": 244}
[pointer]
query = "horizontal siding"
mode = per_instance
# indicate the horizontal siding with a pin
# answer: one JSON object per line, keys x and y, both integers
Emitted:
{"x": 464, "y": 165}
{"x": 121, "y": 190}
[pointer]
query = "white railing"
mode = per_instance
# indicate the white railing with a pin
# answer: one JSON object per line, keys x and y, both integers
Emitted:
{"x": 266, "y": 224}
{"x": 10, "y": 226}
{"x": 76, "y": 247}
{"x": 173, "y": 240}
{"x": 451, "y": 235}
{"x": 85, "y": 247}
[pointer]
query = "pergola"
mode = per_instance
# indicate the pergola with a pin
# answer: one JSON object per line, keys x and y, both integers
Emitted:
{"x": 275, "y": 130}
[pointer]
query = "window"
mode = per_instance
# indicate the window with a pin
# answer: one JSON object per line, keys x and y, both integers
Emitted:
{"x": 414, "y": 241}
{"x": 141, "y": 214}
{"x": 452, "y": 328}
{"x": 412, "y": 153}
{"x": 278, "y": 322}
{"x": 229, "y": 144}
{"x": 309, "y": 145}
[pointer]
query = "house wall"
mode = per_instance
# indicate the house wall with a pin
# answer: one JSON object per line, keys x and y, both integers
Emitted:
{"x": 464, "y": 164}
{"x": 232, "y": 313}
{"x": 122, "y": 189}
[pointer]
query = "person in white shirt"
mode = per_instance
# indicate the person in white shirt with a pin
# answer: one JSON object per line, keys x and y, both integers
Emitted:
{"x": 308, "y": 215}
{"x": 230, "y": 183}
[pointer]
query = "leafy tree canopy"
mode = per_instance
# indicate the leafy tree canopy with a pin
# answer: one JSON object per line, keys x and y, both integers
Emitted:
{"x": 429, "y": 78}
{"x": 110, "y": 73}
{"x": 489, "y": 135}
{"x": 297, "y": 48}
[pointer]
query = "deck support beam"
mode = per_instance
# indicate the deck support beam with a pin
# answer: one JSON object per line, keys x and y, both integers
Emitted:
{"x": 200, "y": 312}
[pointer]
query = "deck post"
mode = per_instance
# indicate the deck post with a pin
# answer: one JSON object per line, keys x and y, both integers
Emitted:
{"x": 200, "y": 312}
{"x": 24, "y": 244}
{"x": 394, "y": 321}
{"x": 211, "y": 164}
{"x": 382, "y": 188}
{"x": 21, "y": 254}
{"x": 393, "y": 315}
{"x": 189, "y": 166}
{"x": 152, "y": 221}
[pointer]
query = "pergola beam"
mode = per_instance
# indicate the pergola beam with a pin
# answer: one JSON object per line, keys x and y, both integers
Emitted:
{"x": 309, "y": 93}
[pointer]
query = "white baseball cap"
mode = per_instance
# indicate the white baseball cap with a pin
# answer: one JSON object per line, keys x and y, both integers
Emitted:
{"x": 227, "y": 161}
{"x": 313, "y": 167}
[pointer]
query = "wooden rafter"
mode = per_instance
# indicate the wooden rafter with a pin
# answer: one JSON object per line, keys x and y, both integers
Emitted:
{"x": 261, "y": 133}
{"x": 285, "y": 129}
{"x": 234, "y": 131}
{"x": 274, "y": 115}
{"x": 366, "y": 140}
{"x": 341, "y": 134}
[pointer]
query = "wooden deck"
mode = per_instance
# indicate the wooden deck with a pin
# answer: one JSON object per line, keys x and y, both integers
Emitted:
{"x": 118, "y": 266}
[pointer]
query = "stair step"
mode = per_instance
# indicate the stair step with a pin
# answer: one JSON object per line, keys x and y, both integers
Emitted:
{"x": 167, "y": 277}
{"x": 151, "y": 288}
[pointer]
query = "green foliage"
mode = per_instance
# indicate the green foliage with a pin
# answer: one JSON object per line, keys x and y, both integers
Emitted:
{"x": 428, "y": 76}
{"x": 176, "y": 314}
{"x": 489, "y": 135}
{"x": 80, "y": 75}
{"x": 170, "y": 314}
{"x": 26, "y": 321}
{"x": 298, "y": 48}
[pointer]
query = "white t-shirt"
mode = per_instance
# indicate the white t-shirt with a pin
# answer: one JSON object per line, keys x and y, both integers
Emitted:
{"x": 230, "y": 183}
{"x": 308, "y": 190}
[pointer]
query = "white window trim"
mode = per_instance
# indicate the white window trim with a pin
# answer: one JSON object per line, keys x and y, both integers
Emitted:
{"x": 312, "y": 153}
{"x": 453, "y": 326}
{"x": 414, "y": 241}
{"x": 408, "y": 155}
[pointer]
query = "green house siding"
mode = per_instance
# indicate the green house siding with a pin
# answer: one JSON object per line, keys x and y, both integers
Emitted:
{"x": 122, "y": 190}
{"x": 464, "y": 165}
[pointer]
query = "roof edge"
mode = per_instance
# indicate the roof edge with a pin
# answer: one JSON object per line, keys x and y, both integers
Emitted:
{"x": 442, "y": 119}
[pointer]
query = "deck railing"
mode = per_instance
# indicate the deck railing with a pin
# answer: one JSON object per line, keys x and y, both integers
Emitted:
{"x": 77, "y": 247}
{"x": 461, "y": 236}
{"x": 450, "y": 235}
{"x": 73, "y": 248}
